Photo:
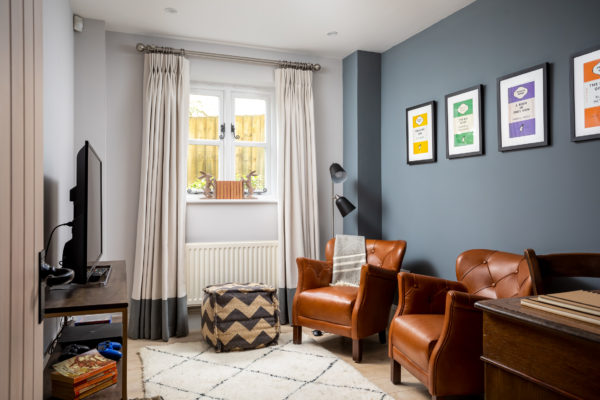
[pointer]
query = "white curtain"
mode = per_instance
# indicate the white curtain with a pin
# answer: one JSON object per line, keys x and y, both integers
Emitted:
{"x": 159, "y": 302}
{"x": 298, "y": 215}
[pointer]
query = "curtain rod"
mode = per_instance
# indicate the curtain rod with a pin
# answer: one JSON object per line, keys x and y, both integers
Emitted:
{"x": 148, "y": 48}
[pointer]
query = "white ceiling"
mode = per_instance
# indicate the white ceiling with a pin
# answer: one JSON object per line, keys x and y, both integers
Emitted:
{"x": 298, "y": 26}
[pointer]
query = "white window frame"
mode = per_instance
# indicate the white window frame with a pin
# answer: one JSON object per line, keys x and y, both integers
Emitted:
{"x": 218, "y": 142}
{"x": 227, "y": 95}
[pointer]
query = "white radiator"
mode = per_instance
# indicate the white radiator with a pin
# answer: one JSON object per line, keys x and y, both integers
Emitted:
{"x": 216, "y": 263}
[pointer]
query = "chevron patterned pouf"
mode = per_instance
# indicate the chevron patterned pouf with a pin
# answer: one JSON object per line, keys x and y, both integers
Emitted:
{"x": 240, "y": 316}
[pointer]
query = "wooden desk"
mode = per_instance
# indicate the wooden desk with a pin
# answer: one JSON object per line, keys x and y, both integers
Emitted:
{"x": 532, "y": 354}
{"x": 111, "y": 298}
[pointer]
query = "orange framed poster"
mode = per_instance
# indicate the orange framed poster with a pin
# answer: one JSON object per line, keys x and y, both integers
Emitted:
{"x": 420, "y": 134}
{"x": 585, "y": 95}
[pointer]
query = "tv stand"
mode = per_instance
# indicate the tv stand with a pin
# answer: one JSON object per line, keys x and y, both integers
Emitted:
{"x": 96, "y": 299}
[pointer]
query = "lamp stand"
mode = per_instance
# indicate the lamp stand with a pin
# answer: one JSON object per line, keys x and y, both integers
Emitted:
{"x": 332, "y": 211}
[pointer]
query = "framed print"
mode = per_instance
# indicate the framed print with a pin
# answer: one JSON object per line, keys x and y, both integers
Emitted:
{"x": 420, "y": 134}
{"x": 585, "y": 95}
{"x": 464, "y": 126}
{"x": 522, "y": 104}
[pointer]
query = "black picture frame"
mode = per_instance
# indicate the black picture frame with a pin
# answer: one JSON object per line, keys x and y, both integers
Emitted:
{"x": 574, "y": 137}
{"x": 480, "y": 134}
{"x": 545, "y": 140}
{"x": 433, "y": 134}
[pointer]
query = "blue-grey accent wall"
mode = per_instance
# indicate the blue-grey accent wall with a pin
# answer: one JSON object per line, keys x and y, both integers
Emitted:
{"x": 544, "y": 198}
{"x": 350, "y": 117}
{"x": 362, "y": 142}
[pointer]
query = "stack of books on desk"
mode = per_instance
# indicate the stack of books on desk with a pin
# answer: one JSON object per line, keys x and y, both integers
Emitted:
{"x": 83, "y": 375}
{"x": 581, "y": 305}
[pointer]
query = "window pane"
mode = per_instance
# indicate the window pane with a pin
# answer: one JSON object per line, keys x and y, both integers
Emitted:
{"x": 201, "y": 158}
{"x": 204, "y": 117}
{"x": 250, "y": 119}
{"x": 249, "y": 159}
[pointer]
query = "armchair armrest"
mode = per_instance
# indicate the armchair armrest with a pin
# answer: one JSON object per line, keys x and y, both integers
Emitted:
{"x": 373, "y": 301}
{"x": 461, "y": 339}
{"x": 422, "y": 294}
{"x": 313, "y": 274}
{"x": 460, "y": 299}
{"x": 373, "y": 271}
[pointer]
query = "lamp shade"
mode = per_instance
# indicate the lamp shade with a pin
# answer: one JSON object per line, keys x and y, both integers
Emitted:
{"x": 344, "y": 205}
{"x": 338, "y": 174}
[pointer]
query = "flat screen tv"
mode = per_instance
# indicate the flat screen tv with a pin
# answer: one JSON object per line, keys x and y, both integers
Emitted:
{"x": 82, "y": 252}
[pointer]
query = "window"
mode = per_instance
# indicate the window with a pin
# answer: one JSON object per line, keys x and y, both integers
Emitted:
{"x": 230, "y": 135}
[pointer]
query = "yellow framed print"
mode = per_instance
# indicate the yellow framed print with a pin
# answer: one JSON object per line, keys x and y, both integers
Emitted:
{"x": 420, "y": 134}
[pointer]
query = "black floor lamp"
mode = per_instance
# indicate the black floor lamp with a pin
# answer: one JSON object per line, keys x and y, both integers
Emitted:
{"x": 338, "y": 175}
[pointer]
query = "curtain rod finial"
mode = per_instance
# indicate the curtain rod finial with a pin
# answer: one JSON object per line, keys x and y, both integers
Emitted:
{"x": 317, "y": 67}
{"x": 140, "y": 47}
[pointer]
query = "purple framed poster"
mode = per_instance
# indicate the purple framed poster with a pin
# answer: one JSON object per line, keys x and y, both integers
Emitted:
{"x": 522, "y": 103}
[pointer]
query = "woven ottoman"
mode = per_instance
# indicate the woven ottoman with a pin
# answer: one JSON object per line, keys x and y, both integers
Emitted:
{"x": 240, "y": 316}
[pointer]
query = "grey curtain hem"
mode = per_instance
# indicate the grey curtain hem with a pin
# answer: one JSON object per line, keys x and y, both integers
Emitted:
{"x": 158, "y": 319}
{"x": 286, "y": 300}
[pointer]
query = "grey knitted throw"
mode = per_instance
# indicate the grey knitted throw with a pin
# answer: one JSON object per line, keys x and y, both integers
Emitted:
{"x": 349, "y": 255}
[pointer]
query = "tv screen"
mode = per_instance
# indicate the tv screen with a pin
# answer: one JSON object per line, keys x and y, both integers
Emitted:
{"x": 83, "y": 251}
{"x": 94, "y": 207}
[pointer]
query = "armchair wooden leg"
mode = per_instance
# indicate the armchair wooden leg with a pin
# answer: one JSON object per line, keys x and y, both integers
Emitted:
{"x": 356, "y": 350}
{"x": 297, "y": 331}
{"x": 382, "y": 337}
{"x": 395, "y": 372}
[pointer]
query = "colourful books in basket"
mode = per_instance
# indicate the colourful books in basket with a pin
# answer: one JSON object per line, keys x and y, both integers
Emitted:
{"x": 82, "y": 375}
{"x": 63, "y": 390}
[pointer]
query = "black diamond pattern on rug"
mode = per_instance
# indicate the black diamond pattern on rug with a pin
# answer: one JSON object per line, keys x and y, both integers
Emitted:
{"x": 286, "y": 371}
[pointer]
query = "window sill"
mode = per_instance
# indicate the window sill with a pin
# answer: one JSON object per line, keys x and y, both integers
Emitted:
{"x": 194, "y": 199}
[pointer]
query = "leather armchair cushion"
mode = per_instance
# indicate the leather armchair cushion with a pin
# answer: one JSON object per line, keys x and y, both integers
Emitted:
{"x": 415, "y": 335}
{"x": 331, "y": 303}
{"x": 387, "y": 254}
{"x": 493, "y": 274}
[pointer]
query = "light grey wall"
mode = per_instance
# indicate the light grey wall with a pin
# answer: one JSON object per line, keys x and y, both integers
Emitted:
{"x": 124, "y": 76}
{"x": 545, "y": 198}
{"x": 218, "y": 222}
{"x": 59, "y": 163}
{"x": 90, "y": 98}
{"x": 362, "y": 142}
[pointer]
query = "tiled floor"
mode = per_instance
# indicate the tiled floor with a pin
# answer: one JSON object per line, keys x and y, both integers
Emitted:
{"x": 375, "y": 364}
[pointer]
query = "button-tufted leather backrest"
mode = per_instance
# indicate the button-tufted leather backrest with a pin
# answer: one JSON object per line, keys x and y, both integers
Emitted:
{"x": 494, "y": 274}
{"x": 386, "y": 254}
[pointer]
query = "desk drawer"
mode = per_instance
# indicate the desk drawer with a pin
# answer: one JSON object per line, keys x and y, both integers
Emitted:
{"x": 556, "y": 363}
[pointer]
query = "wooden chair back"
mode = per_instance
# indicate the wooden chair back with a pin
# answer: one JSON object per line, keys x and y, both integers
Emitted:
{"x": 545, "y": 267}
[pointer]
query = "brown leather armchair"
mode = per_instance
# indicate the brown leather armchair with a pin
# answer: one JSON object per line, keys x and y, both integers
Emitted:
{"x": 436, "y": 333}
{"x": 354, "y": 312}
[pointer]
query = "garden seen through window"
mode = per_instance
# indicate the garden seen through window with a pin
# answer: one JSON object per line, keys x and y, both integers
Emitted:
{"x": 229, "y": 137}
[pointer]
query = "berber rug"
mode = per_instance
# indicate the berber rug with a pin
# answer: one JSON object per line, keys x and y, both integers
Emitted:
{"x": 193, "y": 370}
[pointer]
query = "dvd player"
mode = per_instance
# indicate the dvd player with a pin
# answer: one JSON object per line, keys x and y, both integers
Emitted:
{"x": 91, "y": 335}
